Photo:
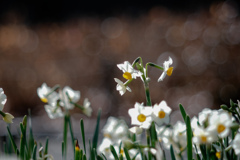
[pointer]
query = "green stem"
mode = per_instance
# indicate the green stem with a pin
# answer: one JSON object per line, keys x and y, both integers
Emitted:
{"x": 65, "y": 131}
{"x": 2, "y": 113}
{"x": 147, "y": 93}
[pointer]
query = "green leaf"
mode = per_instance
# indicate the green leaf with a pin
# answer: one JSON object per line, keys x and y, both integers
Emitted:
{"x": 114, "y": 152}
{"x": 99, "y": 157}
{"x": 95, "y": 137}
{"x": 126, "y": 154}
{"x": 31, "y": 138}
{"x": 182, "y": 111}
{"x": 12, "y": 141}
{"x": 71, "y": 132}
{"x": 83, "y": 135}
{"x": 172, "y": 153}
{"x": 46, "y": 148}
{"x": 34, "y": 152}
{"x": 189, "y": 137}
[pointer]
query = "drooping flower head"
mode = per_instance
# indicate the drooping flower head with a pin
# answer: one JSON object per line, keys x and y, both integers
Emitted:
{"x": 166, "y": 69}
{"x": 68, "y": 96}
{"x": 3, "y": 99}
{"x": 121, "y": 87}
{"x": 87, "y": 110}
{"x": 53, "y": 111}
{"x": 129, "y": 72}
{"x": 161, "y": 113}
{"x": 7, "y": 117}
{"x": 47, "y": 94}
{"x": 141, "y": 115}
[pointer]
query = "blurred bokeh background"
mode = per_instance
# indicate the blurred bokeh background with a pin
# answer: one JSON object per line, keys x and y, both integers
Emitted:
{"x": 79, "y": 44}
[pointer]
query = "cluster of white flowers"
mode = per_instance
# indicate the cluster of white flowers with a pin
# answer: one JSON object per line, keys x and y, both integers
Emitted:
{"x": 143, "y": 116}
{"x": 64, "y": 100}
{"x": 116, "y": 132}
{"x": 129, "y": 73}
{"x": 7, "y": 117}
{"x": 175, "y": 136}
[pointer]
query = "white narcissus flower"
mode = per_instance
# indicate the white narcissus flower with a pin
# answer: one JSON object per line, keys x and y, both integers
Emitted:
{"x": 115, "y": 129}
{"x": 104, "y": 148}
{"x": 121, "y": 87}
{"x": 8, "y": 118}
{"x": 236, "y": 143}
{"x": 46, "y": 94}
{"x": 179, "y": 134}
{"x": 220, "y": 123}
{"x": 87, "y": 110}
{"x": 53, "y": 111}
{"x": 68, "y": 95}
{"x": 203, "y": 136}
{"x": 161, "y": 113}
{"x": 3, "y": 99}
{"x": 128, "y": 71}
{"x": 167, "y": 70}
{"x": 141, "y": 115}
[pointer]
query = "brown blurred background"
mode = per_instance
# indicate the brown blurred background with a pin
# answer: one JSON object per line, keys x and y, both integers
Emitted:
{"x": 82, "y": 48}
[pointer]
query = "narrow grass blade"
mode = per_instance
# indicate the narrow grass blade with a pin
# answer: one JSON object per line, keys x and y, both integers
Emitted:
{"x": 71, "y": 133}
{"x": 46, "y": 148}
{"x": 114, "y": 152}
{"x": 189, "y": 137}
{"x": 95, "y": 137}
{"x": 83, "y": 135}
{"x": 31, "y": 138}
{"x": 22, "y": 141}
{"x": 99, "y": 157}
{"x": 182, "y": 111}
{"x": 126, "y": 154}
{"x": 12, "y": 141}
{"x": 84, "y": 157}
{"x": 65, "y": 131}
{"x": 34, "y": 156}
{"x": 172, "y": 153}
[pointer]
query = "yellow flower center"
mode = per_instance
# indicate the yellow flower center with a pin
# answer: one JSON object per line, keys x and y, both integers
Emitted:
{"x": 203, "y": 139}
{"x": 44, "y": 100}
{"x": 221, "y": 128}
{"x": 77, "y": 148}
{"x": 107, "y": 135}
{"x": 127, "y": 75}
{"x": 161, "y": 114}
{"x": 218, "y": 155}
{"x": 169, "y": 71}
{"x": 141, "y": 117}
{"x": 121, "y": 151}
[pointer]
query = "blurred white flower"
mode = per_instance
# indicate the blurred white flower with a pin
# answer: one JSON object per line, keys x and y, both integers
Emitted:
{"x": 68, "y": 96}
{"x": 179, "y": 134}
{"x": 53, "y": 111}
{"x": 104, "y": 148}
{"x": 157, "y": 151}
{"x": 121, "y": 87}
{"x": 3, "y": 99}
{"x": 128, "y": 71}
{"x": 236, "y": 143}
{"x": 203, "y": 136}
{"x": 141, "y": 115}
{"x": 136, "y": 130}
{"x": 220, "y": 123}
{"x": 161, "y": 113}
{"x": 167, "y": 70}
{"x": 115, "y": 129}
{"x": 87, "y": 110}
{"x": 8, "y": 118}
{"x": 47, "y": 95}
